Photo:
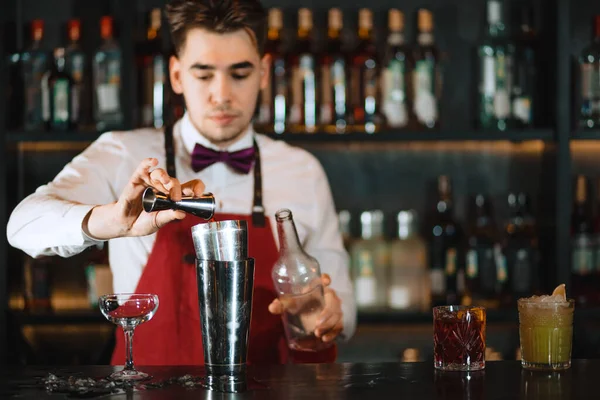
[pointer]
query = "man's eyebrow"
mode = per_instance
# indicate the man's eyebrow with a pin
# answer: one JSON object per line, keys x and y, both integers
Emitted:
{"x": 202, "y": 67}
{"x": 242, "y": 65}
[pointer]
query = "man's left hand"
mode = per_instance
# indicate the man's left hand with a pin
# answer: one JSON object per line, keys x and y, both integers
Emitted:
{"x": 330, "y": 323}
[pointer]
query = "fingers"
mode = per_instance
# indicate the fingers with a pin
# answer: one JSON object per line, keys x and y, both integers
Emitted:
{"x": 330, "y": 322}
{"x": 140, "y": 178}
{"x": 194, "y": 188}
{"x": 276, "y": 307}
{"x": 161, "y": 181}
{"x": 161, "y": 218}
{"x": 326, "y": 279}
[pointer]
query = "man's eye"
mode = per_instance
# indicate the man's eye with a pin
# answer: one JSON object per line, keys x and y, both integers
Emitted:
{"x": 239, "y": 77}
{"x": 204, "y": 78}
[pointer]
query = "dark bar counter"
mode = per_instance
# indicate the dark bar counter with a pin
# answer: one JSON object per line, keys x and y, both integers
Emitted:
{"x": 500, "y": 380}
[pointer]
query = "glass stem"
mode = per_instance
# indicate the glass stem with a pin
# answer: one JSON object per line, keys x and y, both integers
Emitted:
{"x": 129, "y": 348}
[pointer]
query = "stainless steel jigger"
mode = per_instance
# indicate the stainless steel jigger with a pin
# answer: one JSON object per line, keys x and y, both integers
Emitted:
{"x": 203, "y": 206}
{"x": 225, "y": 286}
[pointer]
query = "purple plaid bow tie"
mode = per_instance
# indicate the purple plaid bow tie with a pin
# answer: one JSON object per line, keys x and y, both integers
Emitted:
{"x": 240, "y": 160}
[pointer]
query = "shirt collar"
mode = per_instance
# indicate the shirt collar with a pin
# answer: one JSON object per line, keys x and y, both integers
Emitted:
{"x": 190, "y": 136}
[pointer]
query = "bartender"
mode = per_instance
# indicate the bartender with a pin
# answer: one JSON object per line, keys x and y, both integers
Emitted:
{"x": 219, "y": 67}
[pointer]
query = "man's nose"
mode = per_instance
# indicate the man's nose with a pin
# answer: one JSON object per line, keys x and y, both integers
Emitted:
{"x": 220, "y": 90}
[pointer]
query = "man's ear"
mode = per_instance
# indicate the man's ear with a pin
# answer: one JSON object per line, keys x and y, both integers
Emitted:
{"x": 175, "y": 75}
{"x": 265, "y": 71}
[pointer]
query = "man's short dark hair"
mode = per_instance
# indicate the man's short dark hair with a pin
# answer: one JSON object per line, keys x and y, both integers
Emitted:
{"x": 219, "y": 16}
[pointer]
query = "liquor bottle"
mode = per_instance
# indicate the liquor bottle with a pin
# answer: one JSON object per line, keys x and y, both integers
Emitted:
{"x": 152, "y": 71}
{"x": 370, "y": 262}
{"x": 303, "y": 112}
{"x": 107, "y": 80}
{"x": 446, "y": 249}
{"x": 15, "y": 100}
{"x": 35, "y": 63}
{"x": 36, "y": 281}
{"x": 495, "y": 53}
{"x": 364, "y": 76}
{"x": 396, "y": 73}
{"x": 426, "y": 76}
{"x": 590, "y": 81}
{"x": 272, "y": 110}
{"x": 334, "y": 78}
{"x": 524, "y": 89}
{"x": 345, "y": 224}
{"x": 480, "y": 267}
{"x": 409, "y": 275}
{"x": 58, "y": 89}
{"x": 520, "y": 257}
{"x": 582, "y": 248}
{"x": 76, "y": 68}
{"x": 297, "y": 279}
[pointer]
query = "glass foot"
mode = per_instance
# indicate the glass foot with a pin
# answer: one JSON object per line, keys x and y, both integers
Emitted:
{"x": 129, "y": 375}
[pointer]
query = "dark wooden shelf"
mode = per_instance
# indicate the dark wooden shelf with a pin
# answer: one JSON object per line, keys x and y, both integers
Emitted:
{"x": 76, "y": 317}
{"x": 395, "y": 317}
{"x": 415, "y": 136}
{"x": 320, "y": 137}
{"x": 586, "y": 134}
{"x": 68, "y": 136}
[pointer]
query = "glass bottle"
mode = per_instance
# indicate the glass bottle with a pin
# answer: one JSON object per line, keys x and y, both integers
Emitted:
{"x": 396, "y": 72}
{"x": 480, "y": 267}
{"x": 77, "y": 70}
{"x": 303, "y": 111}
{"x": 152, "y": 71}
{"x": 370, "y": 262}
{"x": 345, "y": 225}
{"x": 495, "y": 54}
{"x": 364, "y": 75}
{"x": 107, "y": 80}
{"x": 297, "y": 279}
{"x": 409, "y": 275}
{"x": 58, "y": 88}
{"x": 582, "y": 248}
{"x": 35, "y": 64}
{"x": 334, "y": 78}
{"x": 589, "y": 64}
{"x": 272, "y": 109}
{"x": 524, "y": 90}
{"x": 426, "y": 75}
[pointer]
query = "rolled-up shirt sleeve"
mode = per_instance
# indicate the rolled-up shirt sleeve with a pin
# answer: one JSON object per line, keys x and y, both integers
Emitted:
{"x": 49, "y": 221}
{"x": 326, "y": 245}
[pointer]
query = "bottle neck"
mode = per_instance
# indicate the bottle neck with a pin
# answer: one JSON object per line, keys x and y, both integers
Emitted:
{"x": 496, "y": 28}
{"x": 425, "y": 38}
{"x": 273, "y": 34}
{"x": 396, "y": 38}
{"x": 288, "y": 236}
{"x": 60, "y": 64}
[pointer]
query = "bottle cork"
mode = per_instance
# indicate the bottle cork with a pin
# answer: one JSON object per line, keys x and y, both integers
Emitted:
{"x": 395, "y": 20}
{"x": 305, "y": 19}
{"x": 365, "y": 19}
{"x": 425, "y": 20}
{"x": 275, "y": 18}
{"x": 335, "y": 19}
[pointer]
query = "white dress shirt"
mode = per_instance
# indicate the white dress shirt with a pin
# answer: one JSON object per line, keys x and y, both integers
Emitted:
{"x": 49, "y": 221}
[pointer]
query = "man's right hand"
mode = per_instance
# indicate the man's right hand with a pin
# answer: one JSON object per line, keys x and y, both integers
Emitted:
{"x": 127, "y": 217}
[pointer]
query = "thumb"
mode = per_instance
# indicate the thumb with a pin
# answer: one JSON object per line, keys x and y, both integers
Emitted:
{"x": 161, "y": 218}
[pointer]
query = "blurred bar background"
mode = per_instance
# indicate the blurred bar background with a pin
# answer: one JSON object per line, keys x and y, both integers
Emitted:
{"x": 460, "y": 139}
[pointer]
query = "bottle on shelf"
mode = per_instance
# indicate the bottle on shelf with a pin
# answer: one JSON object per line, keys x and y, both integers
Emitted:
{"x": 589, "y": 65}
{"x": 152, "y": 72}
{"x": 273, "y": 106}
{"x": 57, "y": 89}
{"x": 446, "y": 249}
{"x": 333, "y": 116}
{"x": 107, "y": 70}
{"x": 409, "y": 275}
{"x": 14, "y": 91}
{"x": 76, "y": 68}
{"x": 426, "y": 75}
{"x": 482, "y": 246}
{"x": 345, "y": 221}
{"x": 370, "y": 262}
{"x": 582, "y": 244}
{"x": 36, "y": 280}
{"x": 364, "y": 78}
{"x": 518, "y": 266}
{"x": 396, "y": 74}
{"x": 495, "y": 55}
{"x": 524, "y": 88}
{"x": 297, "y": 280}
{"x": 34, "y": 62}
{"x": 303, "y": 111}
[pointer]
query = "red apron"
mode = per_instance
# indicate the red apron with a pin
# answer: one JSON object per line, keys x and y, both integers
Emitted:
{"x": 173, "y": 336}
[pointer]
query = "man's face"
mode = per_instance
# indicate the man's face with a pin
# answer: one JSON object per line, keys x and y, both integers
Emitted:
{"x": 220, "y": 76}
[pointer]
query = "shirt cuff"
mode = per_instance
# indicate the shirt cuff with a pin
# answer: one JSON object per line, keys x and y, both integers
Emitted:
{"x": 78, "y": 213}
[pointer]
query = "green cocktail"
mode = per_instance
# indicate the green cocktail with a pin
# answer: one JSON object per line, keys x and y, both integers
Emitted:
{"x": 546, "y": 332}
